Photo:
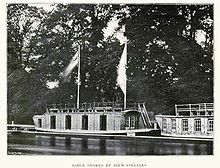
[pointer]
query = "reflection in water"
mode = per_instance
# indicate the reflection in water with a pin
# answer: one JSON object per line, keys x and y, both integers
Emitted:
{"x": 52, "y": 141}
{"x": 61, "y": 145}
{"x": 68, "y": 143}
{"x": 102, "y": 146}
{"x": 84, "y": 145}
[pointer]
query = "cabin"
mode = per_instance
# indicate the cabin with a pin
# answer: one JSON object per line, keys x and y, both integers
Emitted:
{"x": 190, "y": 120}
{"x": 94, "y": 117}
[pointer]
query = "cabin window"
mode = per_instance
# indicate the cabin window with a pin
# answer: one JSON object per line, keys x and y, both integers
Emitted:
{"x": 173, "y": 123}
{"x": 85, "y": 122}
{"x": 133, "y": 120}
{"x": 164, "y": 123}
{"x": 185, "y": 125}
{"x": 127, "y": 122}
{"x": 68, "y": 122}
{"x": 53, "y": 122}
{"x": 197, "y": 124}
{"x": 103, "y": 119}
{"x": 210, "y": 124}
{"x": 39, "y": 123}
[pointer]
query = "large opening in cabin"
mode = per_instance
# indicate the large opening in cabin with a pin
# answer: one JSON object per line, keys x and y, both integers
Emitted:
{"x": 85, "y": 122}
{"x": 53, "y": 122}
{"x": 39, "y": 123}
{"x": 103, "y": 122}
{"x": 68, "y": 122}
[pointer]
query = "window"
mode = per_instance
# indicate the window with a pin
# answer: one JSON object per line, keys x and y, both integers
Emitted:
{"x": 210, "y": 124}
{"x": 132, "y": 121}
{"x": 68, "y": 122}
{"x": 197, "y": 124}
{"x": 103, "y": 122}
{"x": 85, "y": 122}
{"x": 53, "y": 122}
{"x": 185, "y": 124}
{"x": 127, "y": 121}
{"x": 39, "y": 123}
{"x": 173, "y": 123}
{"x": 164, "y": 123}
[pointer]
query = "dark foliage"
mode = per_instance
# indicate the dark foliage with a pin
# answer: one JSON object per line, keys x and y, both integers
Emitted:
{"x": 166, "y": 63}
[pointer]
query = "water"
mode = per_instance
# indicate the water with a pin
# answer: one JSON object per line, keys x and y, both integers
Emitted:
{"x": 31, "y": 144}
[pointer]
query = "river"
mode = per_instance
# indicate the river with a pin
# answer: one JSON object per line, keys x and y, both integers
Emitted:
{"x": 32, "y": 144}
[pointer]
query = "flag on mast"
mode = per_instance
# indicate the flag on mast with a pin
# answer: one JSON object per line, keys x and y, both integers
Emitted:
{"x": 121, "y": 79}
{"x": 73, "y": 63}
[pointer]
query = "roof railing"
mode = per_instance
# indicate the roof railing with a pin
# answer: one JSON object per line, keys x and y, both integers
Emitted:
{"x": 194, "y": 109}
{"x": 91, "y": 106}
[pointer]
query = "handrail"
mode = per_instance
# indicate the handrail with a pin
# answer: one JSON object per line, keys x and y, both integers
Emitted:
{"x": 92, "y": 105}
{"x": 195, "y": 104}
{"x": 139, "y": 107}
{"x": 200, "y": 107}
{"x": 145, "y": 111}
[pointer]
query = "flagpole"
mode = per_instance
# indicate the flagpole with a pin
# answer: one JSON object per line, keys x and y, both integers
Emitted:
{"x": 78, "y": 78}
{"x": 125, "y": 94}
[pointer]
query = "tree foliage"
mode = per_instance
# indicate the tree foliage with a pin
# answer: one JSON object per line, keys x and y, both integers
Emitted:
{"x": 164, "y": 45}
{"x": 167, "y": 64}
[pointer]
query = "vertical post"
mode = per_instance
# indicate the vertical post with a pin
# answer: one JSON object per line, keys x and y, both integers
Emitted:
{"x": 190, "y": 110}
{"x": 78, "y": 78}
{"x": 129, "y": 122}
{"x": 125, "y": 94}
{"x": 176, "y": 109}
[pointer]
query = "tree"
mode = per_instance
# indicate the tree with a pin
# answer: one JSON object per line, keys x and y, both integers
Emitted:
{"x": 60, "y": 34}
{"x": 165, "y": 54}
{"x": 25, "y": 90}
{"x": 166, "y": 62}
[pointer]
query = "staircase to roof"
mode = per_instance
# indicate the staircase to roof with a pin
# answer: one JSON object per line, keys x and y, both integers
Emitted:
{"x": 145, "y": 116}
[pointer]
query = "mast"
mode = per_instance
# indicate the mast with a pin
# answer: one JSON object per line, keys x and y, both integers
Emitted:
{"x": 125, "y": 94}
{"x": 78, "y": 83}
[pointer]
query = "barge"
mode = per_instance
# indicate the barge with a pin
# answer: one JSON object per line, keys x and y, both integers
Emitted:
{"x": 97, "y": 119}
{"x": 189, "y": 121}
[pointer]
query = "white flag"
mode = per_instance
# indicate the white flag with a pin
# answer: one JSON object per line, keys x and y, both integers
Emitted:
{"x": 73, "y": 63}
{"x": 121, "y": 79}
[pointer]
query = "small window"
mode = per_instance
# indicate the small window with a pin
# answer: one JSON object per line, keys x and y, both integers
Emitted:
{"x": 133, "y": 121}
{"x": 197, "y": 124}
{"x": 173, "y": 123}
{"x": 127, "y": 122}
{"x": 185, "y": 125}
{"x": 164, "y": 122}
{"x": 210, "y": 124}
